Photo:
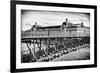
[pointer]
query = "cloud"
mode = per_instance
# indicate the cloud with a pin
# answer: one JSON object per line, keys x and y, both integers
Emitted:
{"x": 51, "y": 18}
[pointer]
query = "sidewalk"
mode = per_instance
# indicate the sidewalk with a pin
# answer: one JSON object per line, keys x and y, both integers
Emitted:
{"x": 82, "y": 54}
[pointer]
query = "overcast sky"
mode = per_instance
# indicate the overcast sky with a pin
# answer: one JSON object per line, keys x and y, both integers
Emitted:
{"x": 51, "y": 18}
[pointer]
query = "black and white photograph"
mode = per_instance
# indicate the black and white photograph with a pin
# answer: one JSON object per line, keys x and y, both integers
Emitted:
{"x": 52, "y": 36}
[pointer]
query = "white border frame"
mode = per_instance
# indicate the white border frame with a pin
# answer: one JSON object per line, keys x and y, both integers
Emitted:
{"x": 20, "y": 65}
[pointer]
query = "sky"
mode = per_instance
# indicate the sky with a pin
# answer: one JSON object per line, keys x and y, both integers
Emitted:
{"x": 51, "y": 18}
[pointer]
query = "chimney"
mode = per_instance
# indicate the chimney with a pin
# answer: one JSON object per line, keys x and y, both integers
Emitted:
{"x": 82, "y": 24}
